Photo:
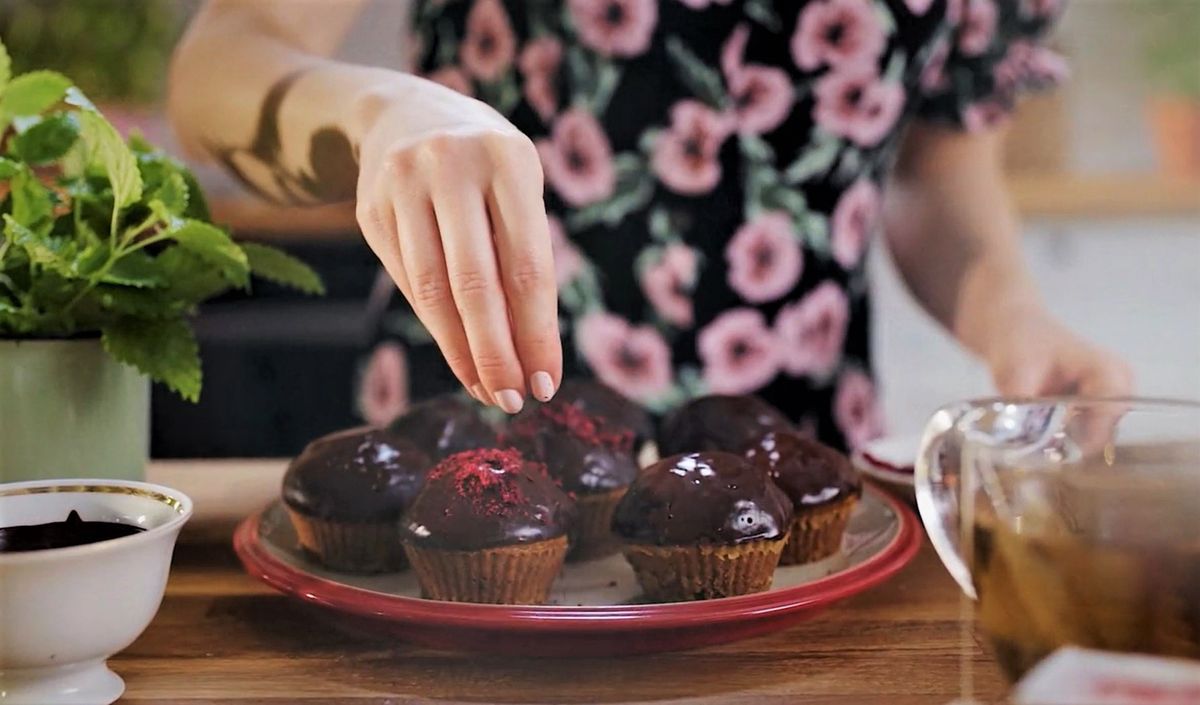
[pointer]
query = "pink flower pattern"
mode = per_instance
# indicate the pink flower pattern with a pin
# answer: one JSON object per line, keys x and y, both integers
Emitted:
{"x": 383, "y": 393}
{"x": 675, "y": 139}
{"x": 615, "y": 27}
{"x": 634, "y": 360}
{"x": 837, "y": 33}
{"x": 978, "y": 27}
{"x": 812, "y": 331}
{"x": 685, "y": 155}
{"x": 578, "y": 159}
{"x": 453, "y": 78}
{"x": 539, "y": 62}
{"x": 984, "y": 115}
{"x": 668, "y": 283}
{"x": 739, "y": 352}
{"x": 490, "y": 45}
{"x": 568, "y": 262}
{"x": 1040, "y": 8}
{"x": 856, "y": 410}
{"x": 853, "y": 222}
{"x": 856, "y": 103}
{"x": 762, "y": 95}
{"x": 765, "y": 258}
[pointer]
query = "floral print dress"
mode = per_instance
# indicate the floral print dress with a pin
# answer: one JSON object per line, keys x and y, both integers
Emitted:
{"x": 714, "y": 172}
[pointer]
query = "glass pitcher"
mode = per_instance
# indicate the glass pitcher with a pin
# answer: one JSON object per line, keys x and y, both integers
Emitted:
{"x": 1069, "y": 522}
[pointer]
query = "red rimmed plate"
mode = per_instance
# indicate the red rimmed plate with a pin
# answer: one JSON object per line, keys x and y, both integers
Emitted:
{"x": 595, "y": 608}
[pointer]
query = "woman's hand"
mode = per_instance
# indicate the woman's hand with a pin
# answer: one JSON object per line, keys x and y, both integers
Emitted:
{"x": 450, "y": 200}
{"x": 1032, "y": 354}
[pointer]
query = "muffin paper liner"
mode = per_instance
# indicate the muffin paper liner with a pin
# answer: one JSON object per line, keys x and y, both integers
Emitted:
{"x": 701, "y": 572}
{"x": 350, "y": 547}
{"x": 817, "y": 533}
{"x": 592, "y": 536}
{"x": 520, "y": 574}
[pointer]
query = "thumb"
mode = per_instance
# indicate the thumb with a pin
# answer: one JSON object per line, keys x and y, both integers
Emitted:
{"x": 1024, "y": 378}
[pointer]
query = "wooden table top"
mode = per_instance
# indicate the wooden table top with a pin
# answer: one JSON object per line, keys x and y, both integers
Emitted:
{"x": 222, "y": 637}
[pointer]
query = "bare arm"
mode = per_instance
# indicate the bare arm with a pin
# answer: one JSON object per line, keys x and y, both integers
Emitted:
{"x": 449, "y": 193}
{"x": 252, "y": 85}
{"x": 954, "y": 235}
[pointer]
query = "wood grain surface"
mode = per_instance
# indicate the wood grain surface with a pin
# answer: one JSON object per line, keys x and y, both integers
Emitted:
{"x": 221, "y": 637}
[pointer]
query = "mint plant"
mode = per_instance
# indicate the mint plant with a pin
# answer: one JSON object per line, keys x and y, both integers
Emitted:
{"x": 109, "y": 237}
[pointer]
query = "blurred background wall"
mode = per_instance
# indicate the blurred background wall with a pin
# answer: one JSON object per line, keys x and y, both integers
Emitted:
{"x": 1105, "y": 171}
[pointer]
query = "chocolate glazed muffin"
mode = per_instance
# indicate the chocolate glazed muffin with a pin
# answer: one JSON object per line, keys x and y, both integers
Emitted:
{"x": 590, "y": 460}
{"x": 445, "y": 425}
{"x": 345, "y": 494}
{"x": 719, "y": 422}
{"x": 702, "y": 525}
{"x": 489, "y": 526}
{"x": 609, "y": 405}
{"x": 823, "y": 488}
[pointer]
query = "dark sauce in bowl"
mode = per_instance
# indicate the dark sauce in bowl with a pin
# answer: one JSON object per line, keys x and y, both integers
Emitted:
{"x": 62, "y": 534}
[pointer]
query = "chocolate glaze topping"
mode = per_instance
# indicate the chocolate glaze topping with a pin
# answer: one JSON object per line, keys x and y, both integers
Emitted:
{"x": 810, "y": 472}
{"x": 445, "y": 425}
{"x": 719, "y": 422}
{"x": 356, "y": 475}
{"x": 707, "y": 497}
{"x": 610, "y": 405}
{"x": 485, "y": 498}
{"x": 62, "y": 534}
{"x": 582, "y": 452}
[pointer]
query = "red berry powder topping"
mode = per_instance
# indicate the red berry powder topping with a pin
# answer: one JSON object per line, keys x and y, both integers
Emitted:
{"x": 587, "y": 428}
{"x": 489, "y": 478}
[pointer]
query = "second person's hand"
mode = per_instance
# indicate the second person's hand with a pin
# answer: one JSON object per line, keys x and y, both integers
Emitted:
{"x": 450, "y": 200}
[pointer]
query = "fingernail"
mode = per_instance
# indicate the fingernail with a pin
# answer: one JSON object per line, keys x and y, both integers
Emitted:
{"x": 542, "y": 385}
{"x": 477, "y": 392}
{"x": 509, "y": 400}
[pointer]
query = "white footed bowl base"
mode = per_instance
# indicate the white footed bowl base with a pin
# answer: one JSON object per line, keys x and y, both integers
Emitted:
{"x": 87, "y": 683}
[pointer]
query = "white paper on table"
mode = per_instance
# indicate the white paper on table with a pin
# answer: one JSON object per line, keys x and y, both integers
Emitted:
{"x": 1074, "y": 676}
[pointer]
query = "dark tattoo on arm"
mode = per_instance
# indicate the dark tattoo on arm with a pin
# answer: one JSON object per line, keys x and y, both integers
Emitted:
{"x": 333, "y": 159}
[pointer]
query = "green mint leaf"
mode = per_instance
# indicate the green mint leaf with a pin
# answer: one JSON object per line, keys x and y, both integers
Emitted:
{"x": 8, "y": 168}
{"x": 47, "y": 140}
{"x": 106, "y": 150}
{"x": 32, "y": 206}
{"x": 91, "y": 259}
{"x": 5, "y": 68}
{"x": 78, "y": 99}
{"x": 139, "y": 144}
{"x": 197, "y": 208}
{"x": 189, "y": 278}
{"x": 134, "y": 269}
{"x": 279, "y": 267}
{"x": 141, "y": 303}
{"x": 17, "y": 321}
{"x": 214, "y": 246}
{"x": 165, "y": 350}
{"x": 33, "y": 92}
{"x": 172, "y": 194}
{"x": 52, "y": 288}
{"x": 53, "y": 253}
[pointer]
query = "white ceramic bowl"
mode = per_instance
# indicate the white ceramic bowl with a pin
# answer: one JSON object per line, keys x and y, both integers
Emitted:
{"x": 890, "y": 461}
{"x": 64, "y": 611}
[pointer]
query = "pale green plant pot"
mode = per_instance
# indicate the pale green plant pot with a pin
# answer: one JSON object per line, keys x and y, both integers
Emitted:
{"x": 68, "y": 410}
